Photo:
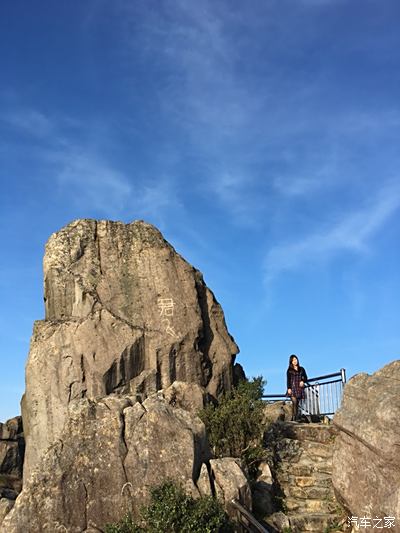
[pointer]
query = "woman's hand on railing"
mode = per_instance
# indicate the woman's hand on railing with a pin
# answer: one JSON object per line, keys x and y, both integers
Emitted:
{"x": 289, "y": 391}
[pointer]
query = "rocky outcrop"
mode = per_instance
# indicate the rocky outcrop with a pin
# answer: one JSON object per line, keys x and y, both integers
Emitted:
{"x": 366, "y": 457}
{"x": 110, "y": 453}
{"x": 124, "y": 313}
{"x": 11, "y": 463}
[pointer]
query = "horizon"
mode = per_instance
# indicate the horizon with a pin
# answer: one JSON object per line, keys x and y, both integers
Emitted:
{"x": 262, "y": 141}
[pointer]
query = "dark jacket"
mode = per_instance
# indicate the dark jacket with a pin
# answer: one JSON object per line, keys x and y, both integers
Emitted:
{"x": 301, "y": 371}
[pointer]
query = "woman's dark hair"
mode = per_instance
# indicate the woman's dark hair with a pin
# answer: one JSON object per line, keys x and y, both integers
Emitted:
{"x": 293, "y": 356}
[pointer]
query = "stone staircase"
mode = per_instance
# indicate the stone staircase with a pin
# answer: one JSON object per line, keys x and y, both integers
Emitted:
{"x": 302, "y": 470}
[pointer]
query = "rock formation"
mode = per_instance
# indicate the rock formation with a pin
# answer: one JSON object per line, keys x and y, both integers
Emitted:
{"x": 225, "y": 479}
{"x": 366, "y": 462}
{"x": 11, "y": 461}
{"x": 124, "y": 313}
{"x": 108, "y": 456}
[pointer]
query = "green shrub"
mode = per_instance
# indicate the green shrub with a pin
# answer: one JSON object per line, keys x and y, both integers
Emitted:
{"x": 171, "y": 510}
{"x": 235, "y": 426}
{"x": 126, "y": 525}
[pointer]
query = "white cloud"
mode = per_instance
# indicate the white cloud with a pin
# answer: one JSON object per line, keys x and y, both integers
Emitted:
{"x": 352, "y": 234}
{"x": 241, "y": 109}
{"x": 297, "y": 186}
{"x": 91, "y": 182}
{"x": 228, "y": 186}
{"x": 202, "y": 93}
{"x": 30, "y": 121}
{"x": 84, "y": 176}
{"x": 158, "y": 199}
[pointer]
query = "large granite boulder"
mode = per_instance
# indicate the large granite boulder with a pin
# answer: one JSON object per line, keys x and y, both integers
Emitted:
{"x": 230, "y": 483}
{"x": 110, "y": 453}
{"x": 366, "y": 461}
{"x": 124, "y": 313}
{"x": 224, "y": 479}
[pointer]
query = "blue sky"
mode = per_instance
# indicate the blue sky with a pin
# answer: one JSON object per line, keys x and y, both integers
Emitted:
{"x": 262, "y": 138}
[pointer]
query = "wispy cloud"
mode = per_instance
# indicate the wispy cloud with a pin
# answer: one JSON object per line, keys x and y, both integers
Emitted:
{"x": 90, "y": 181}
{"x": 202, "y": 92}
{"x": 208, "y": 98}
{"x": 229, "y": 188}
{"x": 29, "y": 121}
{"x": 70, "y": 153}
{"x": 351, "y": 234}
{"x": 317, "y": 173}
{"x": 274, "y": 116}
{"x": 158, "y": 199}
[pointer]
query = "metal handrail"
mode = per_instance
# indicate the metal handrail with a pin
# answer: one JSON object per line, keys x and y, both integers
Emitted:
{"x": 341, "y": 373}
{"x": 245, "y": 513}
{"x": 322, "y": 397}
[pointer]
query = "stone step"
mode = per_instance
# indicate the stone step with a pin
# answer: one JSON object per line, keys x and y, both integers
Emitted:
{"x": 314, "y": 432}
{"x": 316, "y": 480}
{"x": 308, "y": 479}
{"x": 317, "y": 449}
{"x": 291, "y": 449}
{"x": 318, "y": 522}
{"x": 297, "y": 505}
{"x": 310, "y": 469}
{"x": 318, "y": 466}
{"x": 311, "y": 493}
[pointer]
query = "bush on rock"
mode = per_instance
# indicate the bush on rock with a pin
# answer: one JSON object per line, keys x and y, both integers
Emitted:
{"x": 235, "y": 426}
{"x": 171, "y": 510}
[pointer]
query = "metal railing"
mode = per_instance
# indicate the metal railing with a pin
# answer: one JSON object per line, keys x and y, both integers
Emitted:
{"x": 246, "y": 519}
{"x": 323, "y": 394}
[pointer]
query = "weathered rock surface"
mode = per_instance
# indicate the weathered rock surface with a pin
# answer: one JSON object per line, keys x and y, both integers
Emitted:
{"x": 5, "y": 507}
{"x": 366, "y": 462}
{"x": 224, "y": 479}
{"x": 189, "y": 396}
{"x": 230, "y": 483}
{"x": 263, "y": 491}
{"x": 275, "y": 411}
{"x": 110, "y": 454}
{"x": 11, "y": 463}
{"x": 124, "y": 313}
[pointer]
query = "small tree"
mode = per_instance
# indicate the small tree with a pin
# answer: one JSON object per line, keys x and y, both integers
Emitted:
{"x": 171, "y": 510}
{"x": 235, "y": 425}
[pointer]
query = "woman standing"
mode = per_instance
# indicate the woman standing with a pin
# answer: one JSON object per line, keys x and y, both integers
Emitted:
{"x": 296, "y": 379}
